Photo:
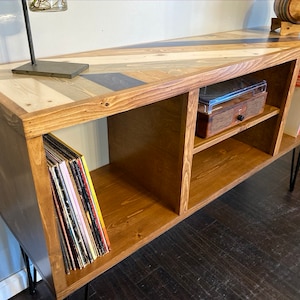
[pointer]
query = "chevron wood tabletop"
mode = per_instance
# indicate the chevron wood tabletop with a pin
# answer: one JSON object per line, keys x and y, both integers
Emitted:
{"x": 123, "y": 78}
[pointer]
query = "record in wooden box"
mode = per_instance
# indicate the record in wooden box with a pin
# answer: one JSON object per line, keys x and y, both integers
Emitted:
{"x": 236, "y": 104}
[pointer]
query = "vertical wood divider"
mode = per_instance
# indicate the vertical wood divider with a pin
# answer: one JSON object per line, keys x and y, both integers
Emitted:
{"x": 285, "y": 105}
{"x": 189, "y": 138}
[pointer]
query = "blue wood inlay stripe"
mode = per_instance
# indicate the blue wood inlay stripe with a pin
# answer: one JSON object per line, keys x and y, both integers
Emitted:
{"x": 114, "y": 81}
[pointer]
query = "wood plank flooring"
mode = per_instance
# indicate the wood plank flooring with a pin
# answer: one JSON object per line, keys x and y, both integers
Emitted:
{"x": 244, "y": 245}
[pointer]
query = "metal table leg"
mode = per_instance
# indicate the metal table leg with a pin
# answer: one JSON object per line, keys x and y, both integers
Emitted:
{"x": 31, "y": 279}
{"x": 294, "y": 169}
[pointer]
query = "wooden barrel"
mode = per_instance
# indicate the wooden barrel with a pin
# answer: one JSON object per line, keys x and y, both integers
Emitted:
{"x": 288, "y": 10}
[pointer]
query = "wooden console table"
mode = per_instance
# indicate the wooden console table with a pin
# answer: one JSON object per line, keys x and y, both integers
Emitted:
{"x": 159, "y": 172}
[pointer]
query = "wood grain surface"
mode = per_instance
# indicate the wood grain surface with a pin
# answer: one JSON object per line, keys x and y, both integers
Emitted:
{"x": 159, "y": 172}
{"x": 135, "y": 73}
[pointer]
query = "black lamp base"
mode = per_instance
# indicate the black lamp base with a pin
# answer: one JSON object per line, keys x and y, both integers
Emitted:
{"x": 51, "y": 68}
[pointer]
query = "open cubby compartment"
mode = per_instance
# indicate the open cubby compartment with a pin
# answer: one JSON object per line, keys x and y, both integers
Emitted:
{"x": 221, "y": 167}
{"x": 278, "y": 92}
{"x": 139, "y": 191}
{"x": 151, "y": 143}
{"x": 133, "y": 217}
{"x": 229, "y": 161}
{"x": 228, "y": 158}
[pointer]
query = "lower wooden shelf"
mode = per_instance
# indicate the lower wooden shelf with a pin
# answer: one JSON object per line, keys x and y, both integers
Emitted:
{"x": 223, "y": 166}
{"x": 134, "y": 217}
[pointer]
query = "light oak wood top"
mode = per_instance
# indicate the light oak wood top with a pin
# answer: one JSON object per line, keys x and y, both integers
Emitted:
{"x": 121, "y": 79}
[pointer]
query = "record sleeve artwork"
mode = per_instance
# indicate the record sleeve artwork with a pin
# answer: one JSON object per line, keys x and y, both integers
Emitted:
{"x": 81, "y": 227}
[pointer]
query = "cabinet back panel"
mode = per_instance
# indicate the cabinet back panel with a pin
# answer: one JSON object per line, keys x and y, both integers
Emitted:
{"x": 148, "y": 143}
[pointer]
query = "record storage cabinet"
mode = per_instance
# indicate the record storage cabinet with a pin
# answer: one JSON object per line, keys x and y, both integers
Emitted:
{"x": 159, "y": 171}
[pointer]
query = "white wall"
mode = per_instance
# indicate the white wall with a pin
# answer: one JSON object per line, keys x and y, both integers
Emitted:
{"x": 94, "y": 24}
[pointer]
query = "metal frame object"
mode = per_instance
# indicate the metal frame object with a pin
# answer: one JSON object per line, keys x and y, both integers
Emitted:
{"x": 31, "y": 279}
{"x": 294, "y": 169}
{"x": 46, "y": 68}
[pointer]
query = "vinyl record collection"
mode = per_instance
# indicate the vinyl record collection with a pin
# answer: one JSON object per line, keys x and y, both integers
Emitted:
{"x": 81, "y": 227}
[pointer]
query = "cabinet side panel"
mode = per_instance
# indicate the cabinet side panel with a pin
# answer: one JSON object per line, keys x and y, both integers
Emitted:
{"x": 148, "y": 144}
{"x": 18, "y": 205}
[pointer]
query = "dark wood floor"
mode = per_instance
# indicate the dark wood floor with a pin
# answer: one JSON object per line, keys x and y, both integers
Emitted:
{"x": 244, "y": 245}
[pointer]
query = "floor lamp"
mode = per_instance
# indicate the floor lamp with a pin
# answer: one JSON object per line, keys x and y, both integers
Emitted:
{"x": 46, "y": 68}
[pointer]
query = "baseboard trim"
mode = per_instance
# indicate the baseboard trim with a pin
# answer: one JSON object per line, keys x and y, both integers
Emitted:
{"x": 14, "y": 284}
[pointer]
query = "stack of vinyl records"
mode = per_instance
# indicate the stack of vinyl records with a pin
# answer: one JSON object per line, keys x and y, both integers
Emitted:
{"x": 80, "y": 223}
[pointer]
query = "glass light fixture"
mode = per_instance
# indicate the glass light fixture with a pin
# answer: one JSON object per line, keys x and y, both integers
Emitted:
{"x": 47, "y": 5}
{"x": 41, "y": 67}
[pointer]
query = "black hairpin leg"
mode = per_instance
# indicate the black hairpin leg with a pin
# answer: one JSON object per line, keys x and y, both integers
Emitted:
{"x": 294, "y": 169}
{"x": 86, "y": 291}
{"x": 31, "y": 280}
